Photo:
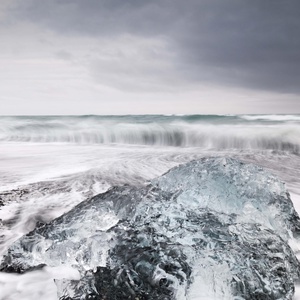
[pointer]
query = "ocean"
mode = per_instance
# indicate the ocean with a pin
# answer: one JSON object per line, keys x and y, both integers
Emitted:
{"x": 49, "y": 164}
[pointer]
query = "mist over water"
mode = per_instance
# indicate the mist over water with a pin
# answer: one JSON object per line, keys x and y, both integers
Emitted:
{"x": 50, "y": 164}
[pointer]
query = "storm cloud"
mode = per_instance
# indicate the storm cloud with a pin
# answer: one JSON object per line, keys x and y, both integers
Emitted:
{"x": 163, "y": 45}
{"x": 249, "y": 43}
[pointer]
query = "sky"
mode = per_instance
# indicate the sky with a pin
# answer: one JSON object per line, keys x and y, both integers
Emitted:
{"x": 149, "y": 57}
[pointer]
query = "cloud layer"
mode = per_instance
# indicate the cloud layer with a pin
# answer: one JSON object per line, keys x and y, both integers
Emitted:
{"x": 163, "y": 46}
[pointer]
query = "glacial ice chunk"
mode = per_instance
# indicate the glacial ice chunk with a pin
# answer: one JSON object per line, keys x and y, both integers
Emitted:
{"x": 229, "y": 186}
{"x": 214, "y": 227}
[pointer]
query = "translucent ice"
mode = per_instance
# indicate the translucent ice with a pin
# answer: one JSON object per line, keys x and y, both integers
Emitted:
{"x": 229, "y": 186}
{"x": 210, "y": 229}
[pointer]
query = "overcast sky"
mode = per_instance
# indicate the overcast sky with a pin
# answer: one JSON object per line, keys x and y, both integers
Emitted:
{"x": 154, "y": 56}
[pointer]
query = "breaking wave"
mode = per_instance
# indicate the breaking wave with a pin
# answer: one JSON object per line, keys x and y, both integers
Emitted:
{"x": 209, "y": 132}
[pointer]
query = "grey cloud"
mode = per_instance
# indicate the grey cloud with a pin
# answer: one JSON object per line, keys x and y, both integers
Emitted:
{"x": 94, "y": 17}
{"x": 64, "y": 55}
{"x": 254, "y": 45}
{"x": 232, "y": 42}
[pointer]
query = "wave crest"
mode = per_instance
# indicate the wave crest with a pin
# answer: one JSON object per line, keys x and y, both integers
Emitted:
{"x": 282, "y": 137}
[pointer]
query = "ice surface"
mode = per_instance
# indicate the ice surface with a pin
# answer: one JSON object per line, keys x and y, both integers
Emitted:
{"x": 210, "y": 229}
{"x": 229, "y": 186}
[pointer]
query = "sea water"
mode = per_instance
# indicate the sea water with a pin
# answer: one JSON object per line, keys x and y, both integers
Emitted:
{"x": 48, "y": 164}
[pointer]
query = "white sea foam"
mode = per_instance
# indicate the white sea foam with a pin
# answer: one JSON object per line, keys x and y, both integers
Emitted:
{"x": 210, "y": 132}
{"x": 34, "y": 285}
{"x": 271, "y": 117}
